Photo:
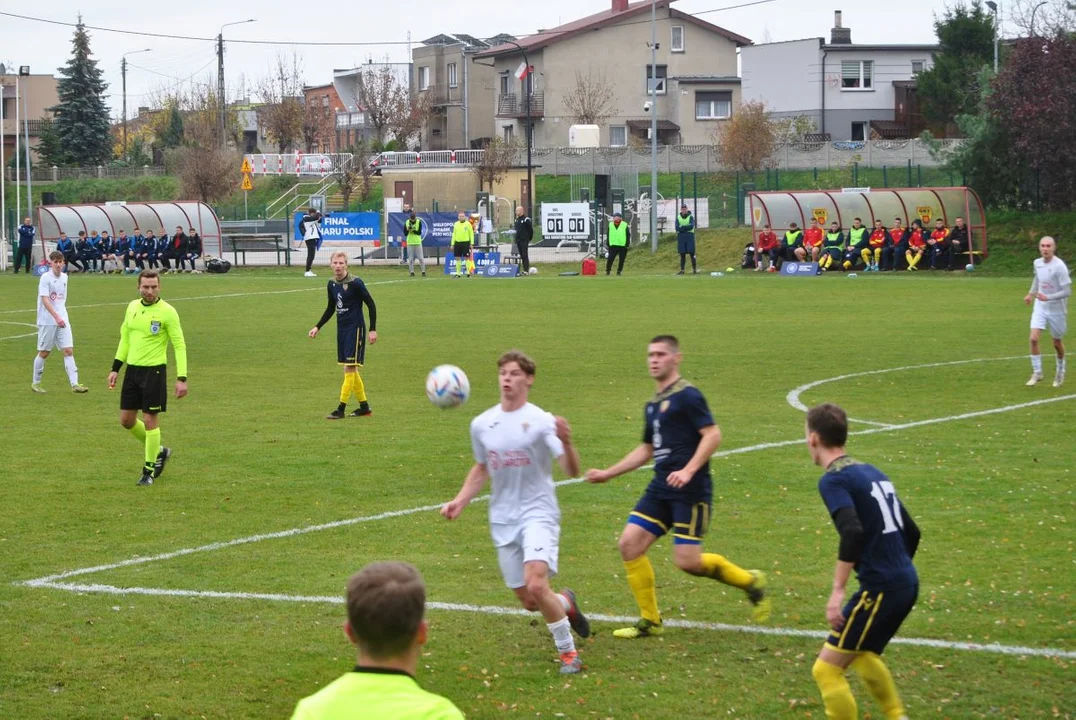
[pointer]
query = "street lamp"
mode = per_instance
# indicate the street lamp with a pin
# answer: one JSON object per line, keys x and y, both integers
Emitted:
{"x": 123, "y": 70}
{"x": 653, "y": 126}
{"x": 1033, "y": 11}
{"x": 220, "y": 72}
{"x": 995, "y": 8}
{"x": 24, "y": 71}
{"x": 530, "y": 130}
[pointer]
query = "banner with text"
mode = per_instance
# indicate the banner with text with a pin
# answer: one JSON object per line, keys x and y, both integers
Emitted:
{"x": 481, "y": 261}
{"x": 340, "y": 227}
{"x": 436, "y": 228}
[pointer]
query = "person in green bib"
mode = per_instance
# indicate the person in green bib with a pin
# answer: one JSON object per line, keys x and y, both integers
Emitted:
{"x": 858, "y": 243}
{"x": 386, "y": 605}
{"x": 413, "y": 243}
{"x": 619, "y": 237}
{"x": 685, "y": 238}
{"x": 792, "y": 248}
{"x": 832, "y": 248}
{"x": 462, "y": 239}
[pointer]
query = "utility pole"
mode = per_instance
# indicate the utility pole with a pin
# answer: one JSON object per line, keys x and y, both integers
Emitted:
{"x": 653, "y": 126}
{"x": 3, "y": 180}
{"x": 220, "y": 78}
{"x": 123, "y": 71}
{"x": 25, "y": 71}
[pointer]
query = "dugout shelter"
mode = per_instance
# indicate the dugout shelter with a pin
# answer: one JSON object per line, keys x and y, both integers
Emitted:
{"x": 113, "y": 217}
{"x": 778, "y": 208}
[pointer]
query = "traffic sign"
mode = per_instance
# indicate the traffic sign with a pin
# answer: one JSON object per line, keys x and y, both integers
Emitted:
{"x": 246, "y": 169}
{"x": 247, "y": 184}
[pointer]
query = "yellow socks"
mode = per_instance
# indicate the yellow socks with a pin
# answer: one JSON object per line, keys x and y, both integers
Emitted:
{"x": 346, "y": 388}
{"x": 641, "y": 581}
{"x": 721, "y": 569}
{"x": 153, "y": 446}
{"x": 912, "y": 258}
{"x": 836, "y": 693}
{"x": 358, "y": 387}
{"x": 876, "y": 675}
{"x": 139, "y": 431}
{"x": 877, "y": 255}
{"x": 866, "y": 255}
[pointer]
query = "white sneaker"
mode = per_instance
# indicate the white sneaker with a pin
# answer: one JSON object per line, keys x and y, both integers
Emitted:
{"x": 1035, "y": 379}
{"x": 1058, "y": 379}
{"x": 309, "y": 274}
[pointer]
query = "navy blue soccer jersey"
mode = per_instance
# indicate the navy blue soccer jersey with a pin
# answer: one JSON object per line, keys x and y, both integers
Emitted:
{"x": 674, "y": 418}
{"x": 346, "y": 299}
{"x": 884, "y": 561}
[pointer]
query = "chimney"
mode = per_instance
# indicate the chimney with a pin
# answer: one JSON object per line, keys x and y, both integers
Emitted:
{"x": 839, "y": 35}
{"x": 620, "y": 5}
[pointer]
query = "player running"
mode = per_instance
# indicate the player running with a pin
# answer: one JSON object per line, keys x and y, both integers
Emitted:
{"x": 680, "y": 435}
{"x": 514, "y": 443}
{"x": 1050, "y": 290}
{"x": 53, "y": 325}
{"x": 878, "y": 540}
{"x": 347, "y": 295}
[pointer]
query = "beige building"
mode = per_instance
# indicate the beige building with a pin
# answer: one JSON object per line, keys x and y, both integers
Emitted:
{"x": 459, "y": 91}
{"x": 697, "y": 82}
{"x": 37, "y": 94}
{"x": 452, "y": 189}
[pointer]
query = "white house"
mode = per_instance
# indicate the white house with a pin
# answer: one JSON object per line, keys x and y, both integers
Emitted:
{"x": 848, "y": 90}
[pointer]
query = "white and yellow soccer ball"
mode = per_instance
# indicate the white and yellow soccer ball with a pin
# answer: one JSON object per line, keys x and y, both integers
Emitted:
{"x": 447, "y": 386}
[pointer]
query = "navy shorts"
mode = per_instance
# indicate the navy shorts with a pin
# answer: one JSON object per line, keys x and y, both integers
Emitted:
{"x": 685, "y": 246}
{"x": 833, "y": 252}
{"x": 350, "y": 344}
{"x": 687, "y": 519}
{"x": 872, "y": 618}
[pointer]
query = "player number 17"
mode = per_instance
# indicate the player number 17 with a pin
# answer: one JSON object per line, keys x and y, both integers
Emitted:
{"x": 888, "y": 504}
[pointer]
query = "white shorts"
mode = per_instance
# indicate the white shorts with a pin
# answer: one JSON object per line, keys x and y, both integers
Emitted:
{"x": 1057, "y": 323}
{"x": 50, "y": 337}
{"x": 530, "y": 541}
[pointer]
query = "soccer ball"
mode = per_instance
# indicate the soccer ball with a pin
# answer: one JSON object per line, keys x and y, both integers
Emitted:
{"x": 533, "y": 271}
{"x": 969, "y": 267}
{"x": 447, "y": 386}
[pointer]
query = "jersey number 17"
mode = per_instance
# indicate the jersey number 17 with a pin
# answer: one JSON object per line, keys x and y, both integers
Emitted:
{"x": 886, "y": 496}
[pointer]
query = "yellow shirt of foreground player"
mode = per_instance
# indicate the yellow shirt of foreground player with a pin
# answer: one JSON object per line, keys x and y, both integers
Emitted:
{"x": 375, "y": 693}
{"x": 145, "y": 333}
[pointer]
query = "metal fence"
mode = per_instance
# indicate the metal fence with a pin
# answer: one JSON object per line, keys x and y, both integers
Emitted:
{"x": 53, "y": 173}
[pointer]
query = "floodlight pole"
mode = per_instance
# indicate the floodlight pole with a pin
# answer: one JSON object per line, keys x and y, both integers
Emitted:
{"x": 653, "y": 126}
{"x": 123, "y": 72}
{"x": 529, "y": 131}
{"x": 3, "y": 186}
{"x": 24, "y": 70}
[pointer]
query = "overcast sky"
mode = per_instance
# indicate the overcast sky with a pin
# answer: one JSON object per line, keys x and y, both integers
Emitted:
{"x": 46, "y": 47}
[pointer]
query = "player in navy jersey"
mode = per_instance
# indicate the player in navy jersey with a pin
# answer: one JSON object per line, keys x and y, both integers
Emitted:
{"x": 680, "y": 435}
{"x": 347, "y": 295}
{"x": 878, "y": 541}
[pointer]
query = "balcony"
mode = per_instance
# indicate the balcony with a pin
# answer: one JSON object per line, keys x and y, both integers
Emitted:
{"x": 34, "y": 126}
{"x": 514, "y": 105}
{"x": 442, "y": 94}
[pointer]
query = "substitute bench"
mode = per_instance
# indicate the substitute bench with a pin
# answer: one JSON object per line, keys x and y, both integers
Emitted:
{"x": 258, "y": 243}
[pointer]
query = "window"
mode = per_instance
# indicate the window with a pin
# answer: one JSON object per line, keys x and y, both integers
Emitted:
{"x": 659, "y": 81}
{"x": 504, "y": 84}
{"x": 917, "y": 67}
{"x": 423, "y": 78}
{"x": 325, "y": 109}
{"x": 618, "y": 135}
{"x": 341, "y": 120}
{"x": 677, "y": 44}
{"x": 856, "y": 75}
{"x": 713, "y": 105}
{"x": 859, "y": 131}
{"x": 452, "y": 75}
{"x": 507, "y": 133}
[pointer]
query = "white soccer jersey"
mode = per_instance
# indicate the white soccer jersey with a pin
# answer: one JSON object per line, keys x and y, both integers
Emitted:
{"x": 518, "y": 448}
{"x": 1052, "y": 277}
{"x": 55, "y": 288}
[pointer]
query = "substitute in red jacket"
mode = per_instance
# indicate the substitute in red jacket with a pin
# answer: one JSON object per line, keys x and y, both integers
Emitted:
{"x": 766, "y": 245}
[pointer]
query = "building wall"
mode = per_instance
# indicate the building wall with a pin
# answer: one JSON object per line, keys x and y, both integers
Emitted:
{"x": 453, "y": 189}
{"x": 682, "y": 110}
{"x": 463, "y": 113}
{"x": 37, "y": 94}
{"x": 783, "y": 75}
{"x": 889, "y": 65}
{"x": 328, "y": 100}
{"x": 620, "y": 51}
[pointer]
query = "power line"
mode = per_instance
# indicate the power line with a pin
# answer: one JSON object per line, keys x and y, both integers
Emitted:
{"x": 381, "y": 43}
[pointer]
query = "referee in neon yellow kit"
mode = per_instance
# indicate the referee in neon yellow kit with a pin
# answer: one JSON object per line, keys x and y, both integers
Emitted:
{"x": 148, "y": 326}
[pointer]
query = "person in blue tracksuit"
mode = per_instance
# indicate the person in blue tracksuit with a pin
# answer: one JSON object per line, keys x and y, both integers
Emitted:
{"x": 67, "y": 246}
{"x": 122, "y": 249}
{"x": 25, "y": 250}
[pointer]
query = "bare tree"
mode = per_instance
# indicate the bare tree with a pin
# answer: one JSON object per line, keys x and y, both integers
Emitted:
{"x": 206, "y": 173}
{"x": 411, "y": 113}
{"x": 747, "y": 139}
{"x": 317, "y": 125}
{"x": 356, "y": 177}
{"x": 590, "y": 100}
{"x": 497, "y": 159}
{"x": 389, "y": 106}
{"x": 281, "y": 93}
{"x": 1053, "y": 17}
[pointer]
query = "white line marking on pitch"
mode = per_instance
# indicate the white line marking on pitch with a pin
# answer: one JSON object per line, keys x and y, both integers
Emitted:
{"x": 793, "y": 397}
{"x": 599, "y": 617}
{"x": 16, "y": 337}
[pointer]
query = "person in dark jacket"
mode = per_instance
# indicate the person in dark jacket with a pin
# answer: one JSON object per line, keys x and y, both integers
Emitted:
{"x": 27, "y": 231}
{"x": 959, "y": 242}
{"x": 524, "y": 235}
{"x": 194, "y": 248}
{"x": 176, "y": 249}
{"x": 685, "y": 238}
{"x": 121, "y": 246}
{"x": 108, "y": 251}
{"x": 310, "y": 227}
{"x": 66, "y": 246}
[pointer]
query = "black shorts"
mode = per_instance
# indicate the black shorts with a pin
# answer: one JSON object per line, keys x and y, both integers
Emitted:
{"x": 145, "y": 388}
{"x": 461, "y": 250}
{"x": 872, "y": 618}
{"x": 688, "y": 519}
{"x": 350, "y": 344}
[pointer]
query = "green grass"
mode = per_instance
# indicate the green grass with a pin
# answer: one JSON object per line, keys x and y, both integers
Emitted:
{"x": 993, "y": 494}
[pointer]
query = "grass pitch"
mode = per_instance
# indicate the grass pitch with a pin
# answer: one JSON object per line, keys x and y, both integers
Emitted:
{"x": 993, "y": 494}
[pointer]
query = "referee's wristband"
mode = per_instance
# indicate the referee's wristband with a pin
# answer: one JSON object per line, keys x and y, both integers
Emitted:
{"x": 116, "y": 365}
{"x": 182, "y": 378}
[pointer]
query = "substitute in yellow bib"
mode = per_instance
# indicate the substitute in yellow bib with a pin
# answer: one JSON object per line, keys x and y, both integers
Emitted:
{"x": 148, "y": 326}
{"x": 385, "y": 607}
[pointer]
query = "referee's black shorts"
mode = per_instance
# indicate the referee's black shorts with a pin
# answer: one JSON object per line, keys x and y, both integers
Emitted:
{"x": 145, "y": 388}
{"x": 461, "y": 250}
{"x": 350, "y": 344}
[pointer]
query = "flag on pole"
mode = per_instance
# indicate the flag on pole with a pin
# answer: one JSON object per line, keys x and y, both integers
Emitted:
{"x": 523, "y": 70}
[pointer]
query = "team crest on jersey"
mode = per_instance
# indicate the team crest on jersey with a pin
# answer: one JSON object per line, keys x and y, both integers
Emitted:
{"x": 526, "y": 426}
{"x": 155, "y": 326}
{"x": 664, "y": 405}
{"x": 345, "y": 287}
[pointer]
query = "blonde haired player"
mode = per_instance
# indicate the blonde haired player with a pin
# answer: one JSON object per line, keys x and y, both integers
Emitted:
{"x": 53, "y": 326}
{"x": 1050, "y": 290}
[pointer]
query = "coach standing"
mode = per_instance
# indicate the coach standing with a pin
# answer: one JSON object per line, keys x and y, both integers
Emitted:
{"x": 619, "y": 238}
{"x": 685, "y": 238}
{"x": 26, "y": 244}
{"x": 524, "y": 235}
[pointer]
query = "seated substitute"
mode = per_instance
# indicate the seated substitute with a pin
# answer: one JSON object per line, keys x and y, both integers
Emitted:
{"x": 917, "y": 244}
{"x": 766, "y": 245}
{"x": 832, "y": 248}
{"x": 858, "y": 246}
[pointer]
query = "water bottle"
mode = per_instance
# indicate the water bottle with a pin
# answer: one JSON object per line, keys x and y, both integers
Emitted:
{"x": 717, "y": 274}
{"x": 852, "y": 275}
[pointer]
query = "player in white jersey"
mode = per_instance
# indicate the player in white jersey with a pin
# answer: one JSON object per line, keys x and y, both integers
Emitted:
{"x": 514, "y": 444}
{"x": 1050, "y": 290}
{"x": 53, "y": 327}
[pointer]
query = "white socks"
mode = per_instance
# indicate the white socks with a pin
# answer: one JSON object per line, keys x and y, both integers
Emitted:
{"x": 39, "y": 368}
{"x": 72, "y": 371}
{"x": 562, "y": 635}
{"x": 1061, "y": 366}
{"x": 1036, "y": 364}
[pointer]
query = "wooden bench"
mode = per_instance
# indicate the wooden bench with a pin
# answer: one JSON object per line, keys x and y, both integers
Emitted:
{"x": 259, "y": 243}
